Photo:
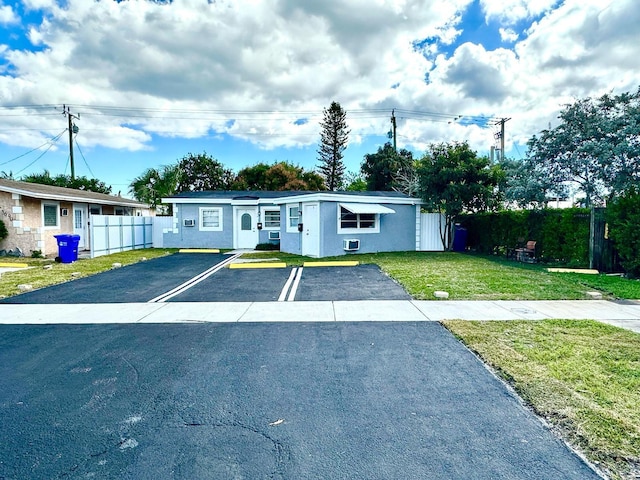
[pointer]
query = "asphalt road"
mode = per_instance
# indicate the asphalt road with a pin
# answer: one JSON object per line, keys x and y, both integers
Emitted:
{"x": 262, "y": 401}
{"x": 146, "y": 281}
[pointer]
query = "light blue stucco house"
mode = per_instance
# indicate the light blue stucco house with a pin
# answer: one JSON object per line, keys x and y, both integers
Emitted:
{"x": 316, "y": 224}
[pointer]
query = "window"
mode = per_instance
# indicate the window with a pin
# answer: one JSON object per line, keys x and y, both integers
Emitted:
{"x": 77, "y": 219}
{"x": 271, "y": 218}
{"x": 211, "y": 218}
{"x": 245, "y": 221}
{"x": 50, "y": 215}
{"x": 95, "y": 210}
{"x": 364, "y": 222}
{"x": 293, "y": 217}
{"x": 119, "y": 211}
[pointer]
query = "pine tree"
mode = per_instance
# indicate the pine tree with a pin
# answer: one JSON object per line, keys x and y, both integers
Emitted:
{"x": 333, "y": 141}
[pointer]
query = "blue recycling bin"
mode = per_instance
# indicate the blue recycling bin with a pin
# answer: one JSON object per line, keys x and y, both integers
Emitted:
{"x": 459, "y": 239}
{"x": 68, "y": 247}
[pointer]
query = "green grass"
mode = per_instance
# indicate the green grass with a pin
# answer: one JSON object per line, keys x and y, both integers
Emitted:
{"x": 582, "y": 376}
{"x": 474, "y": 277}
{"x": 40, "y": 277}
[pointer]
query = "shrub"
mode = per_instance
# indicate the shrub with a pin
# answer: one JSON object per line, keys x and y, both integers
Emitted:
{"x": 4, "y": 233}
{"x": 268, "y": 246}
{"x": 623, "y": 217}
{"x": 562, "y": 236}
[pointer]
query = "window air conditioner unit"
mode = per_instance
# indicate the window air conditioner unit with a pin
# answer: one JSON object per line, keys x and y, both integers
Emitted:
{"x": 64, "y": 212}
{"x": 189, "y": 222}
{"x": 351, "y": 245}
{"x": 274, "y": 235}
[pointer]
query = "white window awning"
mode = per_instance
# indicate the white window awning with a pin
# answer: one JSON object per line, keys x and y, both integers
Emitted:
{"x": 366, "y": 208}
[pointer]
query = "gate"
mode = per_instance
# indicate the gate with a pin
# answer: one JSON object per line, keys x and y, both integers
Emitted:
{"x": 430, "y": 225}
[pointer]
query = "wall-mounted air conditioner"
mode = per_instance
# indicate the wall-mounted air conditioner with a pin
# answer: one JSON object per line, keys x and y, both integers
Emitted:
{"x": 189, "y": 222}
{"x": 274, "y": 235}
{"x": 351, "y": 245}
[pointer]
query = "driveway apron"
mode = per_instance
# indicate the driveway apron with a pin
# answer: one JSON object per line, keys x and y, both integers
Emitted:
{"x": 279, "y": 401}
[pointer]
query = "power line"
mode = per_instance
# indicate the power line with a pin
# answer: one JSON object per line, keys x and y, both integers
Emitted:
{"x": 54, "y": 139}
{"x": 83, "y": 158}
{"x": 42, "y": 154}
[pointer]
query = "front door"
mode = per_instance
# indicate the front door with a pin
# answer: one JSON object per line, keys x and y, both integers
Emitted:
{"x": 80, "y": 224}
{"x": 311, "y": 229}
{"x": 245, "y": 227}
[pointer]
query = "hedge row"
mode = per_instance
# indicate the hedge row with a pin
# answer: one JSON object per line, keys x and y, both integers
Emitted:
{"x": 562, "y": 236}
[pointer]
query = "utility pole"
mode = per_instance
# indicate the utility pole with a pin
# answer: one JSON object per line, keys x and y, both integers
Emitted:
{"x": 72, "y": 129}
{"x": 393, "y": 125}
{"x": 502, "y": 121}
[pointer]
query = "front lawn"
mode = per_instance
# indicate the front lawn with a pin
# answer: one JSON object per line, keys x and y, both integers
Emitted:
{"x": 582, "y": 376}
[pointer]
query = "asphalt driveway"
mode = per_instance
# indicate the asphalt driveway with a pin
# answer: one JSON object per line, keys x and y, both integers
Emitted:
{"x": 262, "y": 401}
{"x": 202, "y": 278}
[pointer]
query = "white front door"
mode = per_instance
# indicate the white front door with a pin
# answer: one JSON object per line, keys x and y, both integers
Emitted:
{"x": 246, "y": 228}
{"x": 80, "y": 223}
{"x": 311, "y": 229}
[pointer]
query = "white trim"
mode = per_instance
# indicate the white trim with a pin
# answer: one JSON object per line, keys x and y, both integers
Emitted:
{"x": 57, "y": 207}
{"x": 201, "y": 227}
{"x": 290, "y": 228}
{"x": 70, "y": 198}
{"x": 305, "y": 197}
{"x": 272, "y": 208}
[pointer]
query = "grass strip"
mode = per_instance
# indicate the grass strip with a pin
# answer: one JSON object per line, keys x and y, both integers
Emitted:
{"x": 583, "y": 377}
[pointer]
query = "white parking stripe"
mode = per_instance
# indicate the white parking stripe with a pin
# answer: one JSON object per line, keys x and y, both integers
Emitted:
{"x": 294, "y": 288}
{"x": 285, "y": 289}
{"x": 193, "y": 281}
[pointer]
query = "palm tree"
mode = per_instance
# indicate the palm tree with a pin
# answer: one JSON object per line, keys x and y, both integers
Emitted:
{"x": 154, "y": 184}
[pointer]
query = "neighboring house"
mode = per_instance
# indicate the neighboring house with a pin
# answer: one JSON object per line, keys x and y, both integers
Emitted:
{"x": 34, "y": 213}
{"x": 316, "y": 224}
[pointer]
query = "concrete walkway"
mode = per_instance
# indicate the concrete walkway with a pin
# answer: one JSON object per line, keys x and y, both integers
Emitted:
{"x": 622, "y": 314}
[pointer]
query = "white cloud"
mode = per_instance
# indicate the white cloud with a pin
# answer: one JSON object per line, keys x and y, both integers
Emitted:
{"x": 508, "y": 35}
{"x": 510, "y": 12}
{"x": 198, "y": 65}
{"x": 7, "y": 15}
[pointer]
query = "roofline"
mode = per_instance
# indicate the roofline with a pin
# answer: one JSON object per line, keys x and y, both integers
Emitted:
{"x": 73, "y": 198}
{"x": 305, "y": 197}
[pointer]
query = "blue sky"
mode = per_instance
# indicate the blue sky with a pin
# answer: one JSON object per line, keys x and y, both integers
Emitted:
{"x": 247, "y": 80}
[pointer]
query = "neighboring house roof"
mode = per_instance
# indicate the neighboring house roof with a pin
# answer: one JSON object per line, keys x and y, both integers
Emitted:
{"x": 49, "y": 192}
{"x": 277, "y": 197}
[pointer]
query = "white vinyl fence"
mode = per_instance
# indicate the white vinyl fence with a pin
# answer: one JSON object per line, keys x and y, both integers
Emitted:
{"x": 111, "y": 234}
{"x": 430, "y": 225}
{"x": 160, "y": 225}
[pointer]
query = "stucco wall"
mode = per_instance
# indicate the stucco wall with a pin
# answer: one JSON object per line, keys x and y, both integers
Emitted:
{"x": 193, "y": 237}
{"x": 397, "y": 231}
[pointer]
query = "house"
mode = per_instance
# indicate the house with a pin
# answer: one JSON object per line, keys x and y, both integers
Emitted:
{"x": 34, "y": 213}
{"x": 316, "y": 224}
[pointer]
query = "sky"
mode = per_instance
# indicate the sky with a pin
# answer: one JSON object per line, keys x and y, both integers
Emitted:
{"x": 246, "y": 81}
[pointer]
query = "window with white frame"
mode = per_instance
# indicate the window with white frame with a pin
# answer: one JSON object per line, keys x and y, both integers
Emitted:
{"x": 211, "y": 218}
{"x": 293, "y": 217}
{"x": 95, "y": 210}
{"x": 271, "y": 218}
{"x": 50, "y": 215}
{"x": 360, "y": 222}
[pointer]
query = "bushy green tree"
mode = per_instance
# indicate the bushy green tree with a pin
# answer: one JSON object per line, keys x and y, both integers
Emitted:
{"x": 333, "y": 141}
{"x": 453, "y": 179}
{"x": 525, "y": 185}
{"x": 278, "y": 176}
{"x": 202, "y": 172}
{"x": 596, "y": 145}
{"x": 61, "y": 180}
{"x": 382, "y": 168}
